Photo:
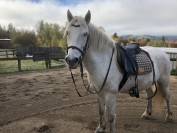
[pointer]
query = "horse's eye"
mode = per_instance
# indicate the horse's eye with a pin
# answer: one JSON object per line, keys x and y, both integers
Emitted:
{"x": 85, "y": 34}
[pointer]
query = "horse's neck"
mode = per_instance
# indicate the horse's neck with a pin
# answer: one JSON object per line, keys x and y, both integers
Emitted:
{"x": 99, "y": 51}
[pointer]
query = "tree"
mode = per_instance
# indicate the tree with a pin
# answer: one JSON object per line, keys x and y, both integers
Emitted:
{"x": 163, "y": 41}
{"x": 24, "y": 39}
{"x": 163, "y": 38}
{"x": 3, "y": 32}
{"x": 49, "y": 35}
{"x": 11, "y": 29}
{"x": 115, "y": 37}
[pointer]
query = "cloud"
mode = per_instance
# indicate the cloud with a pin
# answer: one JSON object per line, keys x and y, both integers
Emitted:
{"x": 121, "y": 16}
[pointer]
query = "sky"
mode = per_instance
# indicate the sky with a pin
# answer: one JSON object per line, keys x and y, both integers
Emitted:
{"x": 154, "y": 17}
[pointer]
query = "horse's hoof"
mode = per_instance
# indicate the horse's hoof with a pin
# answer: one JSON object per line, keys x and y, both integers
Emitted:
{"x": 145, "y": 116}
{"x": 100, "y": 130}
{"x": 169, "y": 117}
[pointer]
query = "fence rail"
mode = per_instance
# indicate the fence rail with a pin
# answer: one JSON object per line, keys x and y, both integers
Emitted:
{"x": 172, "y": 53}
{"x": 7, "y": 53}
{"x": 35, "y": 54}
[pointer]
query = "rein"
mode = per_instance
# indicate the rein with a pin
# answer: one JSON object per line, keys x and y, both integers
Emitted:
{"x": 83, "y": 52}
{"x": 74, "y": 82}
{"x": 106, "y": 76}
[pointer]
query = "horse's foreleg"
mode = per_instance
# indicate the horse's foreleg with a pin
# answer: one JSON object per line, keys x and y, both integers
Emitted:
{"x": 102, "y": 125}
{"x": 148, "y": 111}
{"x": 111, "y": 112}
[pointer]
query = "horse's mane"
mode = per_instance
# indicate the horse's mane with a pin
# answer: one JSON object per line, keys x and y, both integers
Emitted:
{"x": 100, "y": 39}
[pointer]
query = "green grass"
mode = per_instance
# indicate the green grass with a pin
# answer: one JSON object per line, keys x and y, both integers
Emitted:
{"x": 27, "y": 65}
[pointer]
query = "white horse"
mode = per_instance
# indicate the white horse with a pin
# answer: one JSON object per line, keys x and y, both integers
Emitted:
{"x": 92, "y": 46}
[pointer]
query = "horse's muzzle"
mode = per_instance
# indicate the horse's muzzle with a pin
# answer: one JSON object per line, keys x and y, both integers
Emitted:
{"x": 72, "y": 62}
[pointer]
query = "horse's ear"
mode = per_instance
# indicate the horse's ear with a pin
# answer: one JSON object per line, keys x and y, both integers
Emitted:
{"x": 69, "y": 15}
{"x": 88, "y": 17}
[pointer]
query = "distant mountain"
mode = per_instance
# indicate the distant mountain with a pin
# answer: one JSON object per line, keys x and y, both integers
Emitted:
{"x": 171, "y": 38}
{"x": 152, "y": 37}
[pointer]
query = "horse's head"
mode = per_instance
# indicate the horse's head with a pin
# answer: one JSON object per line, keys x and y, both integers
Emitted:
{"x": 77, "y": 34}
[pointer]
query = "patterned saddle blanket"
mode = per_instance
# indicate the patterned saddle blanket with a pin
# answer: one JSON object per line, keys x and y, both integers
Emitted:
{"x": 144, "y": 63}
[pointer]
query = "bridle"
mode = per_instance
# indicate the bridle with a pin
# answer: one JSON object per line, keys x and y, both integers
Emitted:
{"x": 83, "y": 52}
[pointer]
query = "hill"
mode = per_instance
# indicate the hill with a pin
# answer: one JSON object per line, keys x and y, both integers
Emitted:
{"x": 152, "y": 37}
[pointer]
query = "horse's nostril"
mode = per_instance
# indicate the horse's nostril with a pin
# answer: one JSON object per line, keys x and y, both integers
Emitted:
{"x": 71, "y": 61}
{"x": 76, "y": 60}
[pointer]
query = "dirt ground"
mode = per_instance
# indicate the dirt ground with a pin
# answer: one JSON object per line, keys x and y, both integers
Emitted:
{"x": 45, "y": 102}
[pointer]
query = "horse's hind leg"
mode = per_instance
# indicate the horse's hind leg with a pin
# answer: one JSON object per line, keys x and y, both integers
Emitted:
{"x": 148, "y": 111}
{"x": 167, "y": 99}
{"x": 169, "y": 112}
{"x": 164, "y": 88}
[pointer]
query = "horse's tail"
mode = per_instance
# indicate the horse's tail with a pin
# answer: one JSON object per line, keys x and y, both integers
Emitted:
{"x": 158, "y": 100}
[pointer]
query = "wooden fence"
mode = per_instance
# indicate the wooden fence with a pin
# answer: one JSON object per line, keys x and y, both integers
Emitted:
{"x": 56, "y": 53}
{"x": 7, "y": 53}
{"x": 35, "y": 54}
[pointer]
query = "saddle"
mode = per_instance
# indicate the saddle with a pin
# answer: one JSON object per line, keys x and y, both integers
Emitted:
{"x": 133, "y": 61}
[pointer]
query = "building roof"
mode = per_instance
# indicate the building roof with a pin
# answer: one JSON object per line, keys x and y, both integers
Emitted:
{"x": 5, "y": 39}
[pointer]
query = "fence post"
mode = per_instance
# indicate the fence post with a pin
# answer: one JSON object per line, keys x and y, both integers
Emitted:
{"x": 13, "y": 51}
{"x": 19, "y": 65}
{"x": 49, "y": 63}
{"x": 6, "y": 54}
{"x": 46, "y": 64}
{"x": 176, "y": 66}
